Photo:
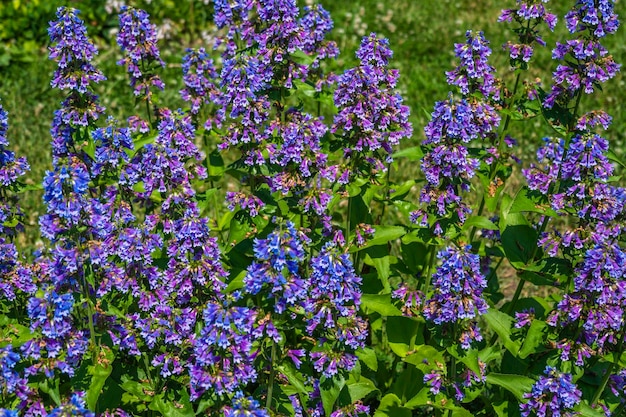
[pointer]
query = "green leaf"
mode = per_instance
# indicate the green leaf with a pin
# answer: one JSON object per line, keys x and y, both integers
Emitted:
{"x": 141, "y": 141}
{"x": 380, "y": 303}
{"x": 382, "y": 235}
{"x": 519, "y": 243}
{"x": 401, "y": 334}
{"x": 399, "y": 192}
{"x": 293, "y": 376}
{"x": 480, "y": 222}
{"x": 171, "y": 408}
{"x": 383, "y": 267}
{"x": 423, "y": 397}
{"x": 506, "y": 409}
{"x": 586, "y": 411}
{"x": 361, "y": 389}
{"x": 501, "y": 324}
{"x": 329, "y": 391}
{"x": 368, "y": 357}
{"x": 517, "y": 385}
{"x": 99, "y": 372}
{"x": 52, "y": 391}
{"x": 426, "y": 358}
{"x": 526, "y": 201}
{"x": 535, "y": 338}
{"x": 391, "y": 406}
{"x": 216, "y": 167}
{"x": 236, "y": 283}
{"x": 414, "y": 153}
{"x": 613, "y": 157}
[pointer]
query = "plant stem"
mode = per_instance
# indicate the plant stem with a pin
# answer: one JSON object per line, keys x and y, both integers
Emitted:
{"x": 520, "y": 284}
{"x": 387, "y": 189}
{"x": 348, "y": 225}
{"x": 493, "y": 169}
{"x": 429, "y": 266}
{"x": 270, "y": 383}
{"x": 609, "y": 371}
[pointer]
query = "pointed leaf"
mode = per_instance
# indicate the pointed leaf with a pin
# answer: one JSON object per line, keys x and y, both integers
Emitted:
{"x": 517, "y": 385}
{"x": 380, "y": 303}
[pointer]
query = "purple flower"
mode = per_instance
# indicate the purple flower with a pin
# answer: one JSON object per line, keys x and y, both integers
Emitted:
{"x": 550, "y": 156}
{"x": 371, "y": 117}
{"x": 111, "y": 143}
{"x": 11, "y": 169}
{"x": 598, "y": 298}
{"x": 74, "y": 52}
{"x": 198, "y": 75}
{"x": 222, "y": 359}
{"x": 552, "y": 395}
{"x": 597, "y": 17}
{"x": 65, "y": 191}
{"x": 138, "y": 39}
{"x": 457, "y": 292}
{"x": 374, "y": 51}
{"x": 529, "y": 15}
{"x": 76, "y": 406}
{"x": 330, "y": 363}
{"x": 277, "y": 269}
{"x": 586, "y": 64}
{"x": 52, "y": 314}
{"x": 474, "y": 72}
{"x": 244, "y": 407}
{"x": 11, "y": 381}
{"x": 353, "y": 410}
{"x": 316, "y": 23}
{"x": 334, "y": 285}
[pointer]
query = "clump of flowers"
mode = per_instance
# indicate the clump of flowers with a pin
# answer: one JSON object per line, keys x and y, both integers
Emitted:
{"x": 458, "y": 285}
{"x": 138, "y": 39}
{"x": 552, "y": 395}
{"x": 448, "y": 166}
{"x": 371, "y": 116}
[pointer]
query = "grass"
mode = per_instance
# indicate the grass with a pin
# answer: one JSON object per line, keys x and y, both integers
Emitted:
{"x": 422, "y": 34}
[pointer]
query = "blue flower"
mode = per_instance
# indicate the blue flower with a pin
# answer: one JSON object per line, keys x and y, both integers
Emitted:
{"x": 244, "y": 407}
{"x": 552, "y": 395}
{"x": 458, "y": 285}
{"x": 138, "y": 39}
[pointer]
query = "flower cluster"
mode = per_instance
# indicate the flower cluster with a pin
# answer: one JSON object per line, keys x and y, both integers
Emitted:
{"x": 223, "y": 359}
{"x": 277, "y": 267}
{"x": 457, "y": 297}
{"x": 11, "y": 169}
{"x": 529, "y": 14}
{"x": 448, "y": 166}
{"x": 553, "y": 395}
{"x": 138, "y": 39}
{"x": 371, "y": 118}
{"x": 198, "y": 75}
{"x": 76, "y": 73}
{"x": 474, "y": 73}
{"x": 244, "y": 406}
{"x": 586, "y": 63}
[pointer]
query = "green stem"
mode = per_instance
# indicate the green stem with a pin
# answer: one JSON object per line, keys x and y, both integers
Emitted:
{"x": 387, "y": 189}
{"x": 520, "y": 284}
{"x": 146, "y": 365}
{"x": 192, "y": 18}
{"x": 270, "y": 383}
{"x": 348, "y": 225}
{"x": 429, "y": 266}
{"x": 494, "y": 168}
{"x": 609, "y": 371}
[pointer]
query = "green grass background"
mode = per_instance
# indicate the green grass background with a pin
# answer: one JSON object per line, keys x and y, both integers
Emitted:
{"x": 421, "y": 32}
